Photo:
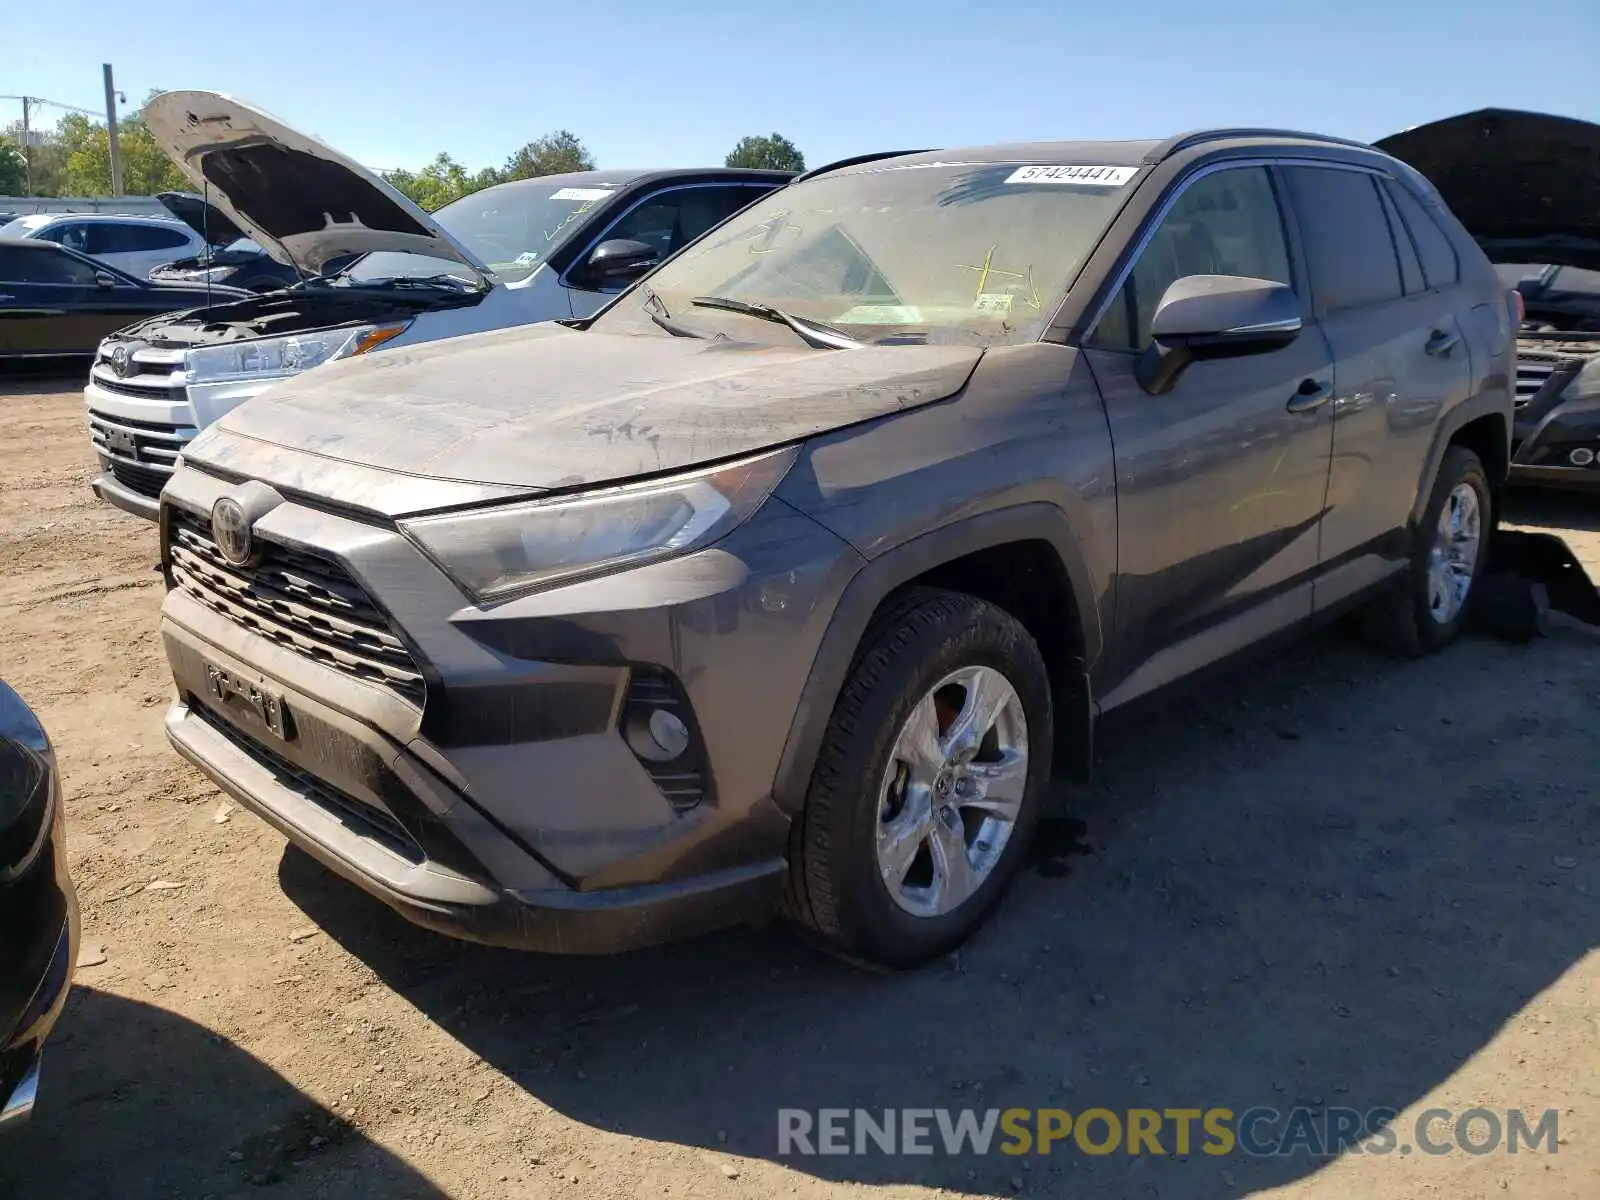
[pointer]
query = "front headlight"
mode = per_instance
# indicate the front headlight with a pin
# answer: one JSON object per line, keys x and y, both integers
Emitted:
{"x": 1586, "y": 383}
{"x": 280, "y": 357}
{"x": 497, "y": 552}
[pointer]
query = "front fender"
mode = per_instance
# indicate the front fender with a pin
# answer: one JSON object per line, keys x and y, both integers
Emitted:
{"x": 893, "y": 569}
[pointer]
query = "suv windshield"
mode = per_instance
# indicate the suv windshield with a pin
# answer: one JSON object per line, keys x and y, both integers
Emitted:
{"x": 944, "y": 251}
{"x": 512, "y": 228}
{"x": 23, "y": 226}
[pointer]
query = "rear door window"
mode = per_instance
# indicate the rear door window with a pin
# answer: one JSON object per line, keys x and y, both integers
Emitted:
{"x": 1440, "y": 266}
{"x": 115, "y": 237}
{"x": 1410, "y": 267}
{"x": 71, "y": 234}
{"x": 1350, "y": 248}
{"x": 1225, "y": 223}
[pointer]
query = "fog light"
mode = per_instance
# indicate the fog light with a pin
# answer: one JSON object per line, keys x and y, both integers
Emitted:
{"x": 656, "y": 735}
{"x": 1581, "y": 457}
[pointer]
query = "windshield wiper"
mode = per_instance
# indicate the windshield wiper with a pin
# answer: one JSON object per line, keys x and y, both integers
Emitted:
{"x": 420, "y": 281}
{"x": 657, "y": 312}
{"x": 813, "y": 333}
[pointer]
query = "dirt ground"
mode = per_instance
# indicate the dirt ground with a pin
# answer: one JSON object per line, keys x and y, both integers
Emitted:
{"x": 1329, "y": 879}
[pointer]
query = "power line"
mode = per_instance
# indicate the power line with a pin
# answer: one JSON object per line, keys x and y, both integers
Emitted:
{"x": 91, "y": 112}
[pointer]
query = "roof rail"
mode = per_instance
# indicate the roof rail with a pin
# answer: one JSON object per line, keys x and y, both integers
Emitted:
{"x": 1198, "y": 137}
{"x": 852, "y": 162}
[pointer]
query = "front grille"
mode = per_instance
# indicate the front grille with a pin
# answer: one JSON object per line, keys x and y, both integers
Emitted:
{"x": 300, "y": 600}
{"x": 147, "y": 481}
{"x": 364, "y": 819}
{"x": 141, "y": 454}
{"x": 155, "y": 374}
{"x": 1532, "y": 372}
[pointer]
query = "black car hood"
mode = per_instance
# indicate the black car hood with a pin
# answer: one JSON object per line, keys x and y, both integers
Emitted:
{"x": 1525, "y": 185}
{"x": 544, "y": 407}
{"x": 205, "y": 218}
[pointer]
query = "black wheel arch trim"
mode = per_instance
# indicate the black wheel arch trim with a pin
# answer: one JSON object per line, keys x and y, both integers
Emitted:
{"x": 1484, "y": 404}
{"x": 880, "y": 577}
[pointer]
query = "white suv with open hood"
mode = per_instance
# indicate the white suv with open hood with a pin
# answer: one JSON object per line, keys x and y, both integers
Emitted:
{"x": 381, "y": 272}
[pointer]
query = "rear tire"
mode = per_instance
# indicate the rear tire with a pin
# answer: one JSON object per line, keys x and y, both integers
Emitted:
{"x": 1432, "y": 601}
{"x": 921, "y": 807}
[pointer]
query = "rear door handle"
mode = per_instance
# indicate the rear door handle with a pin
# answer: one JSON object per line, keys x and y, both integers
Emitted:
{"x": 1441, "y": 343}
{"x": 7, "y": 297}
{"x": 1312, "y": 394}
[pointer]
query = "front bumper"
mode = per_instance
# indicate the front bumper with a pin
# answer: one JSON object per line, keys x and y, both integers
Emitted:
{"x": 553, "y": 919}
{"x": 1555, "y": 440}
{"x": 43, "y": 906}
{"x": 107, "y": 487}
{"x": 504, "y": 803}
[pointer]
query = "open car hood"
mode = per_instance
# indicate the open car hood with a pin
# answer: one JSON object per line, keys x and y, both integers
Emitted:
{"x": 206, "y": 219}
{"x": 1525, "y": 185}
{"x": 302, "y": 200}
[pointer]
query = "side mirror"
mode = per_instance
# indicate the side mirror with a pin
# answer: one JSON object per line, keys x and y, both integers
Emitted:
{"x": 617, "y": 261}
{"x": 1215, "y": 316}
{"x": 104, "y": 280}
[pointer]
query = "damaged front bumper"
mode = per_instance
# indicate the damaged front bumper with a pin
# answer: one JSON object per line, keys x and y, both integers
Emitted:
{"x": 1556, "y": 433}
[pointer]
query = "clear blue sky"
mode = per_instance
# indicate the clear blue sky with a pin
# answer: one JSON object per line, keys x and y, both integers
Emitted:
{"x": 677, "y": 82}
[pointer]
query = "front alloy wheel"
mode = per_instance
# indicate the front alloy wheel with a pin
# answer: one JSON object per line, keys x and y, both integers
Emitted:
{"x": 952, "y": 792}
{"x": 928, "y": 782}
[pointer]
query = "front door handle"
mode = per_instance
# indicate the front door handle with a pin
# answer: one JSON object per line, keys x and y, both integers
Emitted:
{"x": 1441, "y": 343}
{"x": 1312, "y": 394}
{"x": 7, "y": 297}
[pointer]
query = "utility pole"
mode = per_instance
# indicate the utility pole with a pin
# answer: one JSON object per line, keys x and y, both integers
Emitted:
{"x": 27, "y": 150}
{"x": 111, "y": 132}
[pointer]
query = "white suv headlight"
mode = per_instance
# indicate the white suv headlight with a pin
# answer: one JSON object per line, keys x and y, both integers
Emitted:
{"x": 279, "y": 357}
{"x": 493, "y": 553}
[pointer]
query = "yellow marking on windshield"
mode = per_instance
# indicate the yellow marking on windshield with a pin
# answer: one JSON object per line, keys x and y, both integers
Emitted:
{"x": 986, "y": 271}
{"x": 570, "y": 218}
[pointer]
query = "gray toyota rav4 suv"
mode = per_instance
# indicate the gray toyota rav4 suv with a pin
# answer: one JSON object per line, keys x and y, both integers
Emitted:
{"x": 785, "y": 581}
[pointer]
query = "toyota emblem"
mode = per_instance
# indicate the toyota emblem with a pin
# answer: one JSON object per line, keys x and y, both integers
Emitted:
{"x": 231, "y": 529}
{"x": 121, "y": 359}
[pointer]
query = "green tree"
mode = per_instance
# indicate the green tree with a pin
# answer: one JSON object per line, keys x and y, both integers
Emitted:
{"x": 552, "y": 154}
{"x": 146, "y": 169}
{"x": 13, "y": 168}
{"x": 771, "y": 153}
{"x": 440, "y": 182}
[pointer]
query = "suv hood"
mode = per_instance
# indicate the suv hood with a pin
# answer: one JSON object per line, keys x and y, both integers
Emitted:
{"x": 1525, "y": 185}
{"x": 303, "y": 201}
{"x": 205, "y": 218}
{"x": 543, "y": 407}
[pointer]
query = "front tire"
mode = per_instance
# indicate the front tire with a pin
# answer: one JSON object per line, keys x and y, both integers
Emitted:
{"x": 1431, "y": 604}
{"x": 928, "y": 784}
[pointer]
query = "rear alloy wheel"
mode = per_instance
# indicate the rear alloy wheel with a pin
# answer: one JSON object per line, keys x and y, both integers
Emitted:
{"x": 1432, "y": 601}
{"x": 928, "y": 783}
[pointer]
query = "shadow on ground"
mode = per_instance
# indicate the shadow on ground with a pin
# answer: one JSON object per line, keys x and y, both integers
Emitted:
{"x": 1324, "y": 880}
{"x": 1556, "y": 511}
{"x": 138, "y": 1102}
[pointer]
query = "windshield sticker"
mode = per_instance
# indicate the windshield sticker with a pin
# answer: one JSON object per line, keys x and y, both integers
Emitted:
{"x": 580, "y": 194}
{"x": 994, "y": 302}
{"x": 527, "y": 257}
{"x": 1111, "y": 177}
